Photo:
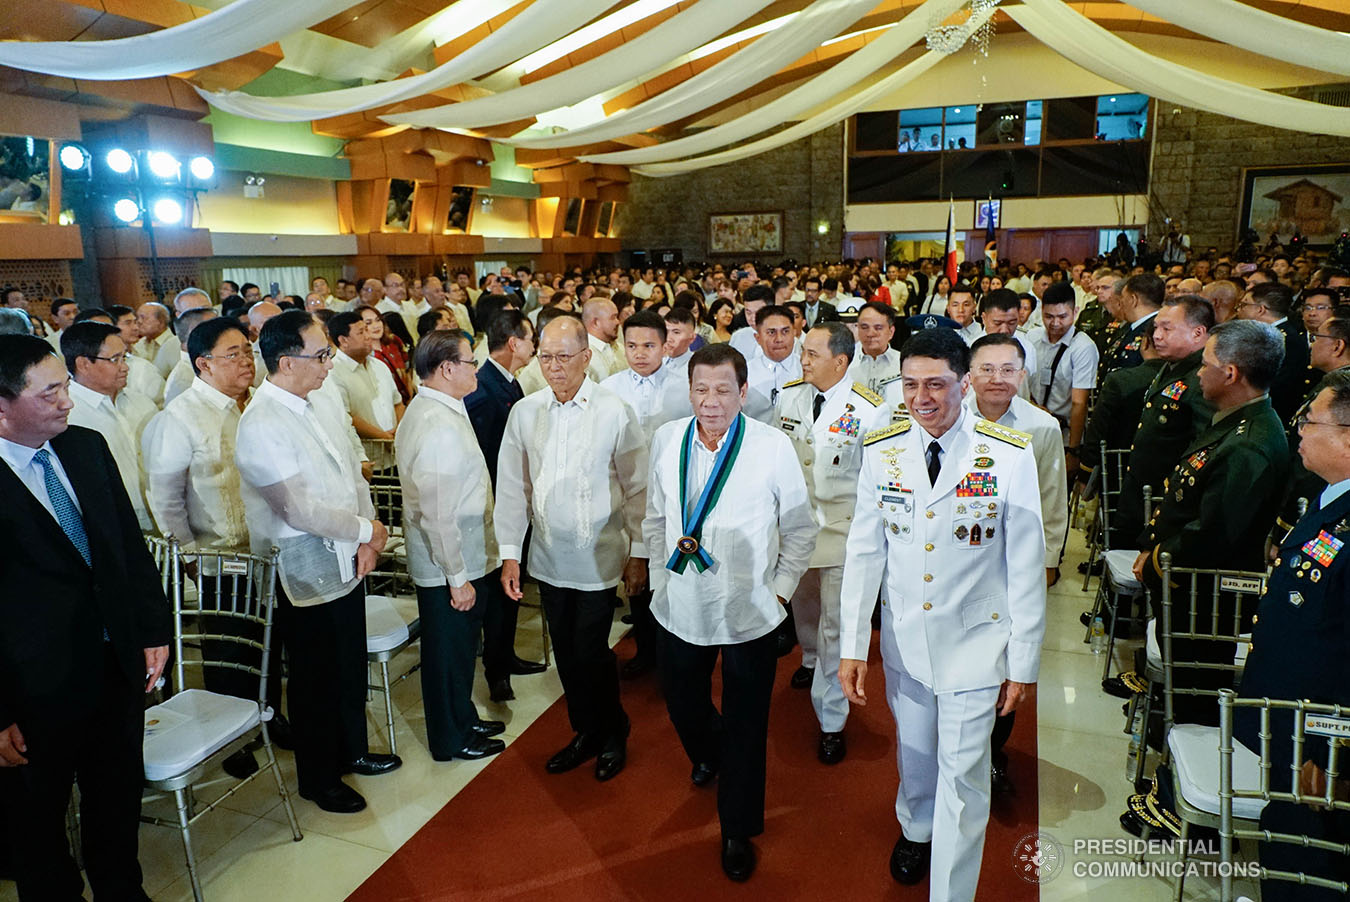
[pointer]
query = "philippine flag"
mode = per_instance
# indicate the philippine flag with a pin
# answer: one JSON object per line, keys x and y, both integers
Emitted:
{"x": 949, "y": 255}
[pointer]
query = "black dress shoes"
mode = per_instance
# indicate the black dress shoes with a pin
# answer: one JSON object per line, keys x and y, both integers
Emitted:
{"x": 636, "y": 667}
{"x": 489, "y": 727}
{"x": 372, "y": 765}
{"x": 1000, "y": 784}
{"x": 609, "y": 763}
{"x": 576, "y": 753}
{"x": 832, "y": 748}
{"x": 478, "y": 746}
{"x": 279, "y": 731}
{"x": 500, "y": 691}
{"x": 339, "y": 799}
{"x": 703, "y": 773}
{"x": 241, "y": 764}
{"x": 522, "y": 667}
{"x": 738, "y": 859}
{"x": 801, "y": 678}
{"x": 909, "y": 861}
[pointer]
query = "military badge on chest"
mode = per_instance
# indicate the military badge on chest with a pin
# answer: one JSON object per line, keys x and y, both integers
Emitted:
{"x": 977, "y": 485}
{"x": 1175, "y": 390}
{"x": 848, "y": 424}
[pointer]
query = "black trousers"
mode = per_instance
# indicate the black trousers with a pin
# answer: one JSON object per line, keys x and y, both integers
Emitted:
{"x": 216, "y": 594}
{"x": 329, "y": 679}
{"x": 1003, "y": 727}
{"x": 1286, "y": 817}
{"x": 644, "y": 626}
{"x": 734, "y": 739}
{"x": 579, "y": 623}
{"x": 97, "y": 745}
{"x": 448, "y": 640}
{"x": 498, "y": 617}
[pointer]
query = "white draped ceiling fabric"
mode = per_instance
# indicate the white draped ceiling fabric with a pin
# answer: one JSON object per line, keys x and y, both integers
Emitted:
{"x": 1256, "y": 30}
{"x": 234, "y": 30}
{"x": 841, "y": 77}
{"x": 820, "y": 21}
{"x": 521, "y": 36}
{"x": 674, "y": 37}
{"x": 1082, "y": 41}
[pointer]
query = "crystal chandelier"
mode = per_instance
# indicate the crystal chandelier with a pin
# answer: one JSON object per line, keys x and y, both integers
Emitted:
{"x": 978, "y": 29}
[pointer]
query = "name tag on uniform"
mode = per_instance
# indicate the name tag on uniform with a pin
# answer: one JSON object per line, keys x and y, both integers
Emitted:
{"x": 977, "y": 485}
{"x": 788, "y": 424}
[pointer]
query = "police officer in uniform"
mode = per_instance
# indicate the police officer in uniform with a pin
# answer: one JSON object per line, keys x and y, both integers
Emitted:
{"x": 826, "y": 415}
{"x": 1298, "y": 644}
{"x": 1140, "y": 299}
{"x": 949, "y": 512}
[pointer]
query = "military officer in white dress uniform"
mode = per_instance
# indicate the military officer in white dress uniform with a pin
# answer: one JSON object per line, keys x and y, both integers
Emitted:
{"x": 949, "y": 511}
{"x": 875, "y": 360}
{"x": 826, "y": 415}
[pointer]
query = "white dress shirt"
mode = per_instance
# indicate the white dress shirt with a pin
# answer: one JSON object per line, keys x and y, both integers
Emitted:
{"x": 303, "y": 492}
{"x": 180, "y": 377}
{"x": 872, "y": 371}
{"x": 642, "y": 289}
{"x": 760, "y": 535}
{"x": 766, "y": 379}
{"x": 144, "y": 379}
{"x": 1047, "y": 444}
{"x": 681, "y": 364}
{"x": 20, "y": 460}
{"x": 1077, "y": 369}
{"x": 162, "y": 351}
{"x": 602, "y": 364}
{"x": 531, "y": 377}
{"x": 746, "y": 341}
{"x": 120, "y": 423}
{"x": 656, "y": 399}
{"x": 447, "y": 494}
{"x": 192, "y": 482}
{"x": 54, "y": 339}
{"x": 368, "y": 391}
{"x": 971, "y": 332}
{"x": 575, "y": 471}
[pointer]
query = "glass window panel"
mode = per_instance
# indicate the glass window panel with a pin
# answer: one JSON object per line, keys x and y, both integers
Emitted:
{"x": 1121, "y": 117}
{"x": 398, "y": 213}
{"x": 1033, "y": 132}
{"x": 920, "y": 130}
{"x": 873, "y": 180}
{"x": 1070, "y": 119}
{"x": 1007, "y": 173}
{"x": 1116, "y": 168}
{"x": 959, "y": 127}
{"x": 999, "y": 124}
{"x": 874, "y": 131}
{"x": 25, "y": 178}
{"x": 1107, "y": 238}
{"x": 461, "y": 203}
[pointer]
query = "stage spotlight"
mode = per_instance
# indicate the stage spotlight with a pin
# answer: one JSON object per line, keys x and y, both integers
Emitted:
{"x": 74, "y": 157}
{"x": 168, "y": 211}
{"x": 202, "y": 169}
{"x": 164, "y": 165}
{"x": 127, "y": 210}
{"x": 119, "y": 161}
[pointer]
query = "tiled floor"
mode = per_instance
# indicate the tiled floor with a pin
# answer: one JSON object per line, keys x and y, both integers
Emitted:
{"x": 245, "y": 850}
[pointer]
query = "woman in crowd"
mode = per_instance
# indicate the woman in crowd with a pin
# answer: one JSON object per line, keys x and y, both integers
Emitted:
{"x": 722, "y": 313}
{"x": 937, "y": 301}
{"x": 394, "y": 349}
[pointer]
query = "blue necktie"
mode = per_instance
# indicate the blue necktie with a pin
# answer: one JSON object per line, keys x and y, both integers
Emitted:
{"x": 66, "y": 513}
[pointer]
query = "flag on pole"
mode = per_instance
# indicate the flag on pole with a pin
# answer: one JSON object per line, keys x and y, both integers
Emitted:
{"x": 949, "y": 254}
{"x": 990, "y": 238}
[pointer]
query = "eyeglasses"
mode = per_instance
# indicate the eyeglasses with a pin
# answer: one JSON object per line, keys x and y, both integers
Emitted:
{"x": 247, "y": 352}
{"x": 323, "y": 356}
{"x": 1317, "y": 335}
{"x": 564, "y": 359}
{"x": 1318, "y": 308}
{"x": 988, "y": 370}
{"x": 115, "y": 360}
{"x": 1303, "y": 421}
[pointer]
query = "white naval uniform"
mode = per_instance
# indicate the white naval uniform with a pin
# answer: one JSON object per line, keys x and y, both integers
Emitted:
{"x": 873, "y": 371}
{"x": 766, "y": 380}
{"x": 830, "y": 453}
{"x": 981, "y": 602}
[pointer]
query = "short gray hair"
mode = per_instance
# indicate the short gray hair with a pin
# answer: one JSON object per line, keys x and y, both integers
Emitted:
{"x": 14, "y": 321}
{"x": 1255, "y": 348}
{"x": 842, "y": 341}
{"x": 189, "y": 291}
{"x": 1338, "y": 383}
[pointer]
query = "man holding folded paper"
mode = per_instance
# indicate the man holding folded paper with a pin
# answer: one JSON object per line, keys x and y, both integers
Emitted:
{"x": 729, "y": 530}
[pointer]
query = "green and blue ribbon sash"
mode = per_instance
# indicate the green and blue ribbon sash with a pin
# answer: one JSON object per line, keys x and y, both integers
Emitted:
{"x": 689, "y": 549}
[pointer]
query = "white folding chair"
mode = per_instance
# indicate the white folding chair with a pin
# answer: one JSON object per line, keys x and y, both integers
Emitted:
{"x": 1244, "y": 783}
{"x": 195, "y": 727}
{"x": 387, "y": 635}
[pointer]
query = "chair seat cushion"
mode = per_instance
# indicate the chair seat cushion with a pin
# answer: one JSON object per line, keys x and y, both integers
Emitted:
{"x": 1120, "y": 566}
{"x": 192, "y": 726}
{"x": 1195, "y": 755}
{"x": 386, "y": 629}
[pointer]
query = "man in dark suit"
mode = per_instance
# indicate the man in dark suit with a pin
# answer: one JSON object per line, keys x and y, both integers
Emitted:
{"x": 510, "y": 339}
{"x": 84, "y": 634}
{"x": 817, "y": 311}
{"x": 1139, "y": 302}
{"x": 1270, "y": 302}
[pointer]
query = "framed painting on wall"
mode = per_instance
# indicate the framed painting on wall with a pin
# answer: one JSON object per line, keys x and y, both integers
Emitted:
{"x": 745, "y": 233}
{"x": 986, "y": 210}
{"x": 1313, "y": 201}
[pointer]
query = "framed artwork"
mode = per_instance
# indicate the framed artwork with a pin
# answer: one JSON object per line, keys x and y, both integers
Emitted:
{"x": 745, "y": 233}
{"x": 987, "y": 211}
{"x": 1311, "y": 200}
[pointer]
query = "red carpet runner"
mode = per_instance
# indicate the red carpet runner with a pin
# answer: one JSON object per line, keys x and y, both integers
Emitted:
{"x": 518, "y": 833}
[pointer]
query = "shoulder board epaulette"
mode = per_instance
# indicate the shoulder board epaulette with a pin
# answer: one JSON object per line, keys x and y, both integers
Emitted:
{"x": 894, "y": 429}
{"x": 868, "y": 395}
{"x": 1003, "y": 433}
{"x": 889, "y": 379}
{"x": 794, "y": 383}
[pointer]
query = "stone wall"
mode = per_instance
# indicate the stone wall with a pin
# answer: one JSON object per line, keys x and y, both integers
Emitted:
{"x": 804, "y": 179}
{"x": 1198, "y": 159}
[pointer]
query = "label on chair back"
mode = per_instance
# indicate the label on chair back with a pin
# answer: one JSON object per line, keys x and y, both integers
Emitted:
{"x": 1324, "y": 725}
{"x": 1247, "y": 584}
{"x": 234, "y": 568}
